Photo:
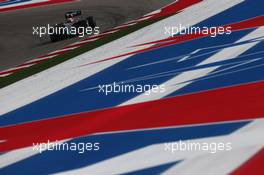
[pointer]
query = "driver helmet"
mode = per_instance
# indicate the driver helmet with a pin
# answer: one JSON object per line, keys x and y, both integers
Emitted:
{"x": 70, "y": 19}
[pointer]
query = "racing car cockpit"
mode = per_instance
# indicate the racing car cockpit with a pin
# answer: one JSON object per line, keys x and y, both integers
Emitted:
{"x": 69, "y": 16}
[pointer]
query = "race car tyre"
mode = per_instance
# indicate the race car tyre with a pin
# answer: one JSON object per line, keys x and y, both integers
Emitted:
{"x": 54, "y": 38}
{"x": 91, "y": 22}
{"x": 82, "y": 24}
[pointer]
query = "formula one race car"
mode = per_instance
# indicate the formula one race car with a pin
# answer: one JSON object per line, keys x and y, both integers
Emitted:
{"x": 75, "y": 25}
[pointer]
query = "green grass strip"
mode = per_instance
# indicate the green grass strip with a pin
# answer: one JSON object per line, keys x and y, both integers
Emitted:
{"x": 24, "y": 73}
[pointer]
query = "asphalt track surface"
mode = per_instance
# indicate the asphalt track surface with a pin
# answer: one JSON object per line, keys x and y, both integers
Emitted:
{"x": 18, "y": 44}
